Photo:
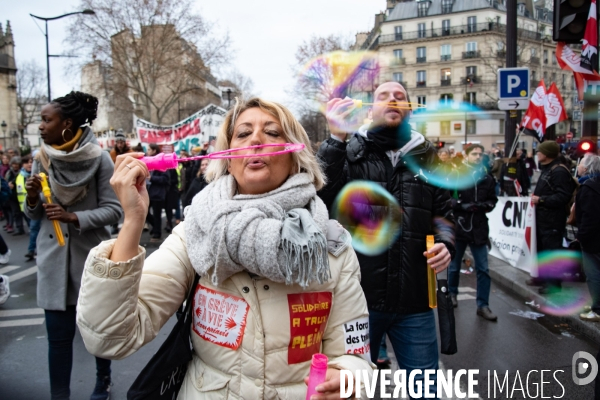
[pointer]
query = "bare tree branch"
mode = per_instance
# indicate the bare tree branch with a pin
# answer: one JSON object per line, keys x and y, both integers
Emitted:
{"x": 156, "y": 51}
{"x": 31, "y": 92}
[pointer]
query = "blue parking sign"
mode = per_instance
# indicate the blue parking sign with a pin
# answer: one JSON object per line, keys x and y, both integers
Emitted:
{"x": 513, "y": 83}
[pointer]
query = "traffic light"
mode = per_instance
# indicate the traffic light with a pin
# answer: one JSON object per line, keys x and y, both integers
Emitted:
{"x": 570, "y": 17}
{"x": 586, "y": 146}
{"x": 440, "y": 144}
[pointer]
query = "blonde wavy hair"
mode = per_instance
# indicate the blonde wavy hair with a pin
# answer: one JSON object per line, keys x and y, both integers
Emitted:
{"x": 293, "y": 132}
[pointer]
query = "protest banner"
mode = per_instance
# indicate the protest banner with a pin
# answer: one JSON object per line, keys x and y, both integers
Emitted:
{"x": 512, "y": 233}
{"x": 190, "y": 132}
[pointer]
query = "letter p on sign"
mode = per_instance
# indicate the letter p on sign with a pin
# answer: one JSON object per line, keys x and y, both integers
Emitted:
{"x": 513, "y": 82}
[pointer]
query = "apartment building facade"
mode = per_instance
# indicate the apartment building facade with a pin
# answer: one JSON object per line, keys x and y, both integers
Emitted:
{"x": 447, "y": 52}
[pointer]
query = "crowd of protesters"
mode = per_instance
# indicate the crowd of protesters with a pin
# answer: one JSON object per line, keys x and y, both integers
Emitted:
{"x": 241, "y": 227}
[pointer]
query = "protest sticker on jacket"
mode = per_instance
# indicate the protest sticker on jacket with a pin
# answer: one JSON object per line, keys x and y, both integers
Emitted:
{"x": 219, "y": 318}
{"x": 356, "y": 337}
{"x": 309, "y": 313}
{"x": 512, "y": 232}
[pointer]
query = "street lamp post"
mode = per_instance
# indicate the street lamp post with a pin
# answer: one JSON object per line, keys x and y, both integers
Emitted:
{"x": 48, "y": 55}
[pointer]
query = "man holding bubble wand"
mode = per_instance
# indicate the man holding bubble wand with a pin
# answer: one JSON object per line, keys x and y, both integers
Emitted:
{"x": 388, "y": 153}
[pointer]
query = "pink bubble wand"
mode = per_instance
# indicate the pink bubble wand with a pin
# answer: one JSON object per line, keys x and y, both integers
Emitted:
{"x": 163, "y": 162}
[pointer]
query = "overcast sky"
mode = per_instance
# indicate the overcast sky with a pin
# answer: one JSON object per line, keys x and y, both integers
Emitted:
{"x": 265, "y": 34}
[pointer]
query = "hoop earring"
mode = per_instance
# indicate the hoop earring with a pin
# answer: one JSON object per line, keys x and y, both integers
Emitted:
{"x": 63, "y": 134}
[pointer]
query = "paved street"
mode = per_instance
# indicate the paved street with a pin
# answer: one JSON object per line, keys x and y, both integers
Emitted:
{"x": 23, "y": 343}
{"x": 512, "y": 344}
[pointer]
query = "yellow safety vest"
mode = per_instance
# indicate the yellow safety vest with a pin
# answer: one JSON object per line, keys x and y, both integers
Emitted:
{"x": 21, "y": 192}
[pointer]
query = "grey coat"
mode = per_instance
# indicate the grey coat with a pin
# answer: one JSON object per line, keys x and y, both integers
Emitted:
{"x": 60, "y": 268}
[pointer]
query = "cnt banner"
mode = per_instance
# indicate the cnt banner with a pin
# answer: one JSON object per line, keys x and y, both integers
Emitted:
{"x": 193, "y": 131}
{"x": 512, "y": 233}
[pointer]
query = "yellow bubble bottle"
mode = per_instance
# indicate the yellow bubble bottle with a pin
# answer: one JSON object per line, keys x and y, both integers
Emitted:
{"x": 431, "y": 278}
{"x": 48, "y": 195}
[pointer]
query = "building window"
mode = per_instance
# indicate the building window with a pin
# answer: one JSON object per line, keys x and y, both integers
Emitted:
{"x": 545, "y": 56}
{"x": 421, "y": 101}
{"x": 471, "y": 127}
{"x": 471, "y": 71}
{"x": 500, "y": 46}
{"x": 446, "y": 76}
{"x": 446, "y": 27}
{"x": 553, "y": 58}
{"x": 422, "y": 8}
{"x": 398, "y": 53}
{"x": 471, "y": 97}
{"x": 553, "y": 77}
{"x": 563, "y": 81}
{"x": 422, "y": 128}
{"x": 501, "y": 127}
{"x": 446, "y": 51}
{"x": 422, "y": 31}
{"x": 421, "y": 54}
{"x": 545, "y": 76}
{"x": 398, "y": 77}
{"x": 446, "y": 98}
{"x": 471, "y": 46}
{"x": 533, "y": 75}
{"x": 533, "y": 52}
{"x": 471, "y": 24}
{"x": 445, "y": 128}
{"x": 421, "y": 79}
{"x": 398, "y": 32}
{"x": 447, "y": 6}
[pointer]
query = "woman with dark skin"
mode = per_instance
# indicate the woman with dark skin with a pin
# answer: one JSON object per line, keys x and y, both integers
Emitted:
{"x": 84, "y": 204}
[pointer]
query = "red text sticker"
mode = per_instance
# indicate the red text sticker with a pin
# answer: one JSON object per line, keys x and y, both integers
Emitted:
{"x": 219, "y": 318}
{"x": 309, "y": 313}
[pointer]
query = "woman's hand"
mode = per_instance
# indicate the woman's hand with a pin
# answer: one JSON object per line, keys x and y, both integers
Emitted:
{"x": 33, "y": 185}
{"x": 330, "y": 389}
{"x": 129, "y": 183}
{"x": 338, "y": 116}
{"x": 55, "y": 212}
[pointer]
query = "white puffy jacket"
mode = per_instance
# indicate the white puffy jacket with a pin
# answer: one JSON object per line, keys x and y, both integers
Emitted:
{"x": 253, "y": 338}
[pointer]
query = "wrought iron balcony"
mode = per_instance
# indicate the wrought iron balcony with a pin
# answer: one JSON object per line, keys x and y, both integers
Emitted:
{"x": 471, "y": 54}
{"x": 446, "y": 57}
{"x": 534, "y": 60}
{"x": 398, "y": 61}
{"x": 421, "y": 60}
{"x": 446, "y": 82}
{"x": 421, "y": 84}
{"x": 470, "y": 79}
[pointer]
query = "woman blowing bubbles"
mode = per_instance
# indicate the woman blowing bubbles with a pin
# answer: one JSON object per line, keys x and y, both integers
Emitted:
{"x": 260, "y": 240}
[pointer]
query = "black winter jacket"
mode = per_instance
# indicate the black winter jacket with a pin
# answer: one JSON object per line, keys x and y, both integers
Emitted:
{"x": 587, "y": 215}
{"x": 196, "y": 187}
{"x": 472, "y": 205}
{"x": 159, "y": 185}
{"x": 555, "y": 188}
{"x": 395, "y": 281}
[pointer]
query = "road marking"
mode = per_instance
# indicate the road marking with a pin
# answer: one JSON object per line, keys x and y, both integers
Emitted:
{"x": 8, "y": 269}
{"x": 21, "y": 312}
{"x": 464, "y": 297}
{"x": 22, "y": 274}
{"x": 466, "y": 289}
{"x": 21, "y": 322}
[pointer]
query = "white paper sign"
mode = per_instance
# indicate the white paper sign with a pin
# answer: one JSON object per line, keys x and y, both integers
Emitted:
{"x": 356, "y": 337}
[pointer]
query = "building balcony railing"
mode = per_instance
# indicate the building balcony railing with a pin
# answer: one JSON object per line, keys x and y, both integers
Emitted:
{"x": 501, "y": 53}
{"x": 446, "y": 57}
{"x": 470, "y": 79}
{"x": 487, "y": 105}
{"x": 471, "y": 54}
{"x": 534, "y": 83}
{"x": 534, "y": 60}
{"x": 421, "y": 84}
{"x": 398, "y": 61}
{"x": 446, "y": 82}
{"x": 421, "y": 60}
{"x": 454, "y": 30}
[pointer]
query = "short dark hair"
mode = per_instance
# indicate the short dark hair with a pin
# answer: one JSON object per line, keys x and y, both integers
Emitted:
{"x": 472, "y": 147}
{"x": 26, "y": 158}
{"x": 154, "y": 147}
